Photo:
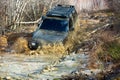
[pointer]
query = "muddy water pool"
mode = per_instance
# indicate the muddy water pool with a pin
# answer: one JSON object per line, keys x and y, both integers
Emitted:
{"x": 41, "y": 67}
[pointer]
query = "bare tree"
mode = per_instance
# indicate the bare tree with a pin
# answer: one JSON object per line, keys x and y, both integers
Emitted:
{"x": 14, "y": 11}
{"x": 116, "y": 5}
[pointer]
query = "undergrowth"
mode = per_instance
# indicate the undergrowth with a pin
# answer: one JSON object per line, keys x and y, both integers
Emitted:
{"x": 109, "y": 51}
{"x": 113, "y": 49}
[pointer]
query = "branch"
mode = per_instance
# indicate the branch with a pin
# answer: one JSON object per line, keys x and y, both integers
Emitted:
{"x": 94, "y": 31}
{"x": 29, "y": 22}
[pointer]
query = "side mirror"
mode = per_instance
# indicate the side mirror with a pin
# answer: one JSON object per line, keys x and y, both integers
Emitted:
{"x": 43, "y": 17}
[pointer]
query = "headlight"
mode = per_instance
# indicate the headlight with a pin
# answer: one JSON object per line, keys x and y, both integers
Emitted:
{"x": 33, "y": 43}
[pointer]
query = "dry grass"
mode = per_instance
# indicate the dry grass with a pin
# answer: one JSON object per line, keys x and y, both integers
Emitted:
{"x": 108, "y": 49}
{"x": 3, "y": 42}
{"x": 113, "y": 49}
{"x": 106, "y": 36}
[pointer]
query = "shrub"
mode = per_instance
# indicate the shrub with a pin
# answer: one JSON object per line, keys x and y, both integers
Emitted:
{"x": 113, "y": 48}
{"x": 109, "y": 51}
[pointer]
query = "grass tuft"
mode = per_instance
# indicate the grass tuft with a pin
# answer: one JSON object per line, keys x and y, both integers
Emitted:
{"x": 113, "y": 49}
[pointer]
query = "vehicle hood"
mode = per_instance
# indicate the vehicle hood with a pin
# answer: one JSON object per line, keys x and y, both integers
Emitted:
{"x": 47, "y": 36}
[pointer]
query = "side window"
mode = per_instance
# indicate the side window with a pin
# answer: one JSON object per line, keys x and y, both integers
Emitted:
{"x": 71, "y": 22}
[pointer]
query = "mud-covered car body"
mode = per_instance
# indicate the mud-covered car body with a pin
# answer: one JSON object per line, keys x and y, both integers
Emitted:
{"x": 55, "y": 26}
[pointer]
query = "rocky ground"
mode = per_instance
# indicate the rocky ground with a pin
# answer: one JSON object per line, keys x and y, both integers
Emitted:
{"x": 77, "y": 59}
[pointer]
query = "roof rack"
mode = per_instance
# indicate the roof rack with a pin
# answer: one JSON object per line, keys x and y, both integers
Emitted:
{"x": 65, "y": 5}
{"x": 61, "y": 11}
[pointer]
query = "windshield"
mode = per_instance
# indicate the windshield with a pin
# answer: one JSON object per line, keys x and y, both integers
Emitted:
{"x": 55, "y": 25}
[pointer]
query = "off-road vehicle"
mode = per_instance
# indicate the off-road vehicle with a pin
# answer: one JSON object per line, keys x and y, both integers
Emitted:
{"x": 54, "y": 26}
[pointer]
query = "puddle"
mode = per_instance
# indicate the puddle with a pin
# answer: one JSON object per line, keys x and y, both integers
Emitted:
{"x": 37, "y": 67}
